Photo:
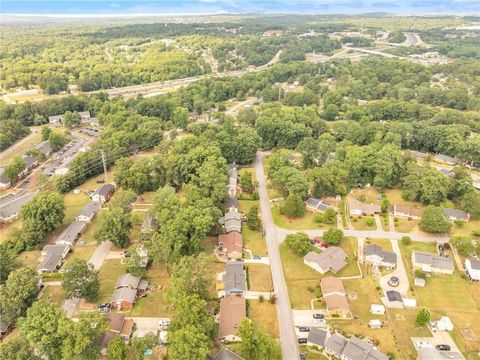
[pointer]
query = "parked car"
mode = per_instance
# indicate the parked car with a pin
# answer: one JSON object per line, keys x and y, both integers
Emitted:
{"x": 441, "y": 249}
{"x": 104, "y": 308}
{"x": 443, "y": 347}
{"x": 318, "y": 316}
{"x": 324, "y": 245}
{"x": 302, "y": 340}
{"x": 303, "y": 356}
{"x": 257, "y": 257}
{"x": 303, "y": 329}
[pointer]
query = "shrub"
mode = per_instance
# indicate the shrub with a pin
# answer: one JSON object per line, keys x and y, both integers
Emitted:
{"x": 406, "y": 240}
{"x": 370, "y": 222}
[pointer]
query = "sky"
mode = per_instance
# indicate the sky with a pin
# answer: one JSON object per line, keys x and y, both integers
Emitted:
{"x": 236, "y": 6}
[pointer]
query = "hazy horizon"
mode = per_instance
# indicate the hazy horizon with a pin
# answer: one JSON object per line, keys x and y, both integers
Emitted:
{"x": 78, "y": 8}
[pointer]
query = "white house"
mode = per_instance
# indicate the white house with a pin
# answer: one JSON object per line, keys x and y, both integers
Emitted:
{"x": 103, "y": 193}
{"x": 376, "y": 256}
{"x": 432, "y": 263}
{"x": 409, "y": 303}
{"x": 472, "y": 267}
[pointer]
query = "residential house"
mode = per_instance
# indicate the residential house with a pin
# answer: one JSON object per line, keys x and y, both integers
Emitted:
{"x": 234, "y": 278}
{"x": 30, "y": 163}
{"x": 232, "y": 221}
{"x": 335, "y": 344}
{"x": 317, "y": 337}
{"x": 149, "y": 225}
{"x": 472, "y": 268}
{"x": 331, "y": 259}
{"x": 231, "y": 245}
{"x": 315, "y": 205}
{"x": 127, "y": 288}
{"x": 335, "y": 296}
{"x": 10, "y": 205}
{"x": 407, "y": 211}
{"x": 432, "y": 263}
{"x": 56, "y": 120}
{"x": 378, "y": 257}
{"x": 357, "y": 208}
{"x": 418, "y": 155}
{"x": 119, "y": 326}
{"x": 356, "y": 349}
{"x": 103, "y": 193}
{"x": 445, "y": 159}
{"x": 71, "y": 233}
{"x": 93, "y": 121}
{"x": 4, "y": 182}
{"x": 44, "y": 147}
{"x": 84, "y": 115}
{"x": 89, "y": 211}
{"x": 394, "y": 297}
{"x": 456, "y": 214}
{"x": 233, "y": 309}
{"x": 52, "y": 258}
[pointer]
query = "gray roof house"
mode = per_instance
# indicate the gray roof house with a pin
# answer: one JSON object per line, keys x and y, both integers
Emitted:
{"x": 232, "y": 221}
{"x": 357, "y": 349}
{"x": 234, "y": 278}
{"x": 376, "y": 256}
{"x": 30, "y": 163}
{"x": 394, "y": 296}
{"x": 128, "y": 280}
{"x": 232, "y": 204}
{"x": 225, "y": 354}
{"x": 10, "y": 209}
{"x": 71, "y": 233}
{"x": 331, "y": 259}
{"x": 335, "y": 344}
{"x": 315, "y": 205}
{"x": 124, "y": 297}
{"x": 4, "y": 326}
{"x": 149, "y": 225}
{"x": 89, "y": 211}
{"x": 103, "y": 193}
{"x": 4, "y": 182}
{"x": 317, "y": 337}
{"x": 53, "y": 256}
{"x": 445, "y": 159}
{"x": 456, "y": 214}
{"x": 55, "y": 119}
{"x": 432, "y": 263}
{"x": 44, "y": 147}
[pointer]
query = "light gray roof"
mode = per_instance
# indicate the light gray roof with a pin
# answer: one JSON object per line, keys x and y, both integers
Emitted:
{"x": 455, "y": 213}
{"x": 53, "y": 256}
{"x": 84, "y": 113}
{"x": 234, "y": 277}
{"x": 124, "y": 294}
{"x": 71, "y": 233}
{"x": 44, "y": 147}
{"x": 233, "y": 225}
{"x": 3, "y": 179}
{"x": 29, "y": 161}
{"x": 128, "y": 280}
{"x": 232, "y": 202}
{"x": 436, "y": 261}
{"x": 13, "y": 206}
{"x": 445, "y": 158}
{"x": 317, "y": 336}
{"x": 90, "y": 209}
{"x": 387, "y": 256}
{"x": 149, "y": 223}
{"x": 418, "y": 154}
{"x": 332, "y": 258}
{"x": 356, "y": 349}
{"x": 55, "y": 118}
{"x": 3, "y": 324}
{"x": 336, "y": 343}
{"x": 393, "y": 295}
{"x": 55, "y": 249}
{"x": 232, "y": 215}
{"x": 104, "y": 190}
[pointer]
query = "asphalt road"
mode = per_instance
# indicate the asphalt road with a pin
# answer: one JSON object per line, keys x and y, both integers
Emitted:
{"x": 288, "y": 338}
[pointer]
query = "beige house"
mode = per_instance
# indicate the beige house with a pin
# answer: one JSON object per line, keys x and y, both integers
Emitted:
{"x": 335, "y": 296}
{"x": 332, "y": 259}
{"x": 233, "y": 309}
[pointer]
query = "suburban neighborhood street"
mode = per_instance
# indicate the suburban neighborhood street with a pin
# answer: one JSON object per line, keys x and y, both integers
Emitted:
{"x": 288, "y": 338}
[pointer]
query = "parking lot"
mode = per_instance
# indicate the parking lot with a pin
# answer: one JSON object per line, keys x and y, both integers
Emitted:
{"x": 64, "y": 156}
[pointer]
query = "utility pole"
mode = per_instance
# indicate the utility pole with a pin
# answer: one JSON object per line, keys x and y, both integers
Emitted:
{"x": 104, "y": 166}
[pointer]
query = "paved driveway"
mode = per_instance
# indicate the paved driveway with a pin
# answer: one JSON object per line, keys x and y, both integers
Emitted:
{"x": 288, "y": 338}
{"x": 305, "y": 318}
{"x": 145, "y": 325}
{"x": 399, "y": 272}
{"x": 100, "y": 254}
{"x": 439, "y": 337}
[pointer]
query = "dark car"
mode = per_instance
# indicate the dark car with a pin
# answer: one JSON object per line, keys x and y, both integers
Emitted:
{"x": 318, "y": 316}
{"x": 443, "y": 347}
{"x": 303, "y": 356}
{"x": 441, "y": 249}
{"x": 303, "y": 329}
{"x": 302, "y": 340}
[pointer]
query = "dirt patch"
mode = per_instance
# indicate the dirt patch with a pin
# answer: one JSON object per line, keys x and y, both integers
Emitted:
{"x": 399, "y": 317}
{"x": 352, "y": 295}
{"x": 468, "y": 334}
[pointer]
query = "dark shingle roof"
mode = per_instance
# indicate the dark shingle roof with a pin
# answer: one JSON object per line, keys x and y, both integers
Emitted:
{"x": 387, "y": 256}
{"x": 393, "y": 295}
{"x": 317, "y": 336}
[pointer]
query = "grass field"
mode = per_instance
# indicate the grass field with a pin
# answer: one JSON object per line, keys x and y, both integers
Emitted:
{"x": 350, "y": 246}
{"x": 252, "y": 240}
{"x": 7, "y": 229}
{"x": 155, "y": 303}
{"x": 109, "y": 272}
{"x": 54, "y": 294}
{"x": 259, "y": 277}
{"x": 467, "y": 228}
{"x": 371, "y": 195}
{"x": 264, "y": 316}
{"x": 87, "y": 236}
{"x": 29, "y": 258}
{"x": 305, "y": 222}
{"x": 365, "y": 294}
{"x": 385, "y": 244}
{"x": 73, "y": 204}
{"x": 80, "y": 252}
{"x": 363, "y": 223}
{"x": 405, "y": 225}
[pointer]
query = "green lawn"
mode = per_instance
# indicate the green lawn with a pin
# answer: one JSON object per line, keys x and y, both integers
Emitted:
{"x": 155, "y": 303}
{"x": 81, "y": 252}
{"x": 246, "y": 205}
{"x": 350, "y": 246}
{"x": 362, "y": 223}
{"x": 405, "y": 225}
{"x": 54, "y": 294}
{"x": 306, "y": 222}
{"x": 73, "y": 204}
{"x": 385, "y": 244}
{"x": 7, "y": 229}
{"x": 364, "y": 293}
{"x": 109, "y": 272}
{"x": 254, "y": 241}
{"x": 87, "y": 236}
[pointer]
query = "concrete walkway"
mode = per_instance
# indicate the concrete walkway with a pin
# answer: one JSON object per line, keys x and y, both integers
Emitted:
{"x": 399, "y": 272}
{"x": 391, "y": 221}
{"x": 378, "y": 222}
{"x": 100, "y": 254}
{"x": 254, "y": 295}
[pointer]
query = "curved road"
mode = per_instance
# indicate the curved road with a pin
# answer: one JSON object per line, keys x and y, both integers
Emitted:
{"x": 274, "y": 237}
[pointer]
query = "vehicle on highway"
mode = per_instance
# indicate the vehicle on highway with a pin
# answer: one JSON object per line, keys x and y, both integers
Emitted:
{"x": 302, "y": 340}
{"x": 443, "y": 347}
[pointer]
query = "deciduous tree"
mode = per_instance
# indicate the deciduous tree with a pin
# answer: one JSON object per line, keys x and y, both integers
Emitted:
{"x": 80, "y": 280}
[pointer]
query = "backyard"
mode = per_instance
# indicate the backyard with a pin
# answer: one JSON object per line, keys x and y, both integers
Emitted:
{"x": 259, "y": 277}
{"x": 264, "y": 316}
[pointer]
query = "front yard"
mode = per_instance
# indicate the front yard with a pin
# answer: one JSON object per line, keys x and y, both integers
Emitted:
{"x": 259, "y": 277}
{"x": 305, "y": 222}
{"x": 264, "y": 316}
{"x": 363, "y": 223}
